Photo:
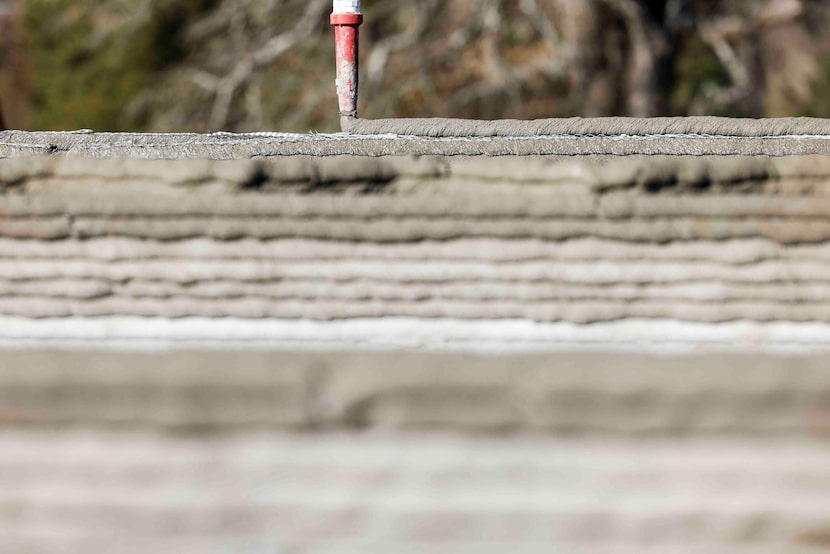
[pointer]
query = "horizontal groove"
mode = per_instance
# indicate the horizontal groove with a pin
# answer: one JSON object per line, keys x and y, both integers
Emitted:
{"x": 522, "y": 203}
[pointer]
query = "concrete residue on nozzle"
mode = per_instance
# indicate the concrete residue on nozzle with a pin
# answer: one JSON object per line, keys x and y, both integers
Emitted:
{"x": 346, "y": 6}
{"x": 346, "y": 19}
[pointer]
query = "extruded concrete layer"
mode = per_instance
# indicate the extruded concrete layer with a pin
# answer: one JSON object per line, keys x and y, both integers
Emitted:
{"x": 223, "y": 146}
{"x": 394, "y": 230}
{"x": 600, "y": 126}
{"x": 531, "y": 205}
{"x": 583, "y": 394}
{"x": 583, "y": 312}
{"x": 538, "y": 176}
{"x": 121, "y": 493}
{"x": 481, "y": 337}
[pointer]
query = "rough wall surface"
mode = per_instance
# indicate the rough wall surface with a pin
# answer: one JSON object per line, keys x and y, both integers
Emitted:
{"x": 696, "y": 240}
{"x": 320, "y": 352}
{"x": 393, "y": 138}
{"x": 463, "y": 255}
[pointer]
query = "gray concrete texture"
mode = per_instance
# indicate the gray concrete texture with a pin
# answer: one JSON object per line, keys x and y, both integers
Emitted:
{"x": 548, "y": 240}
{"x": 610, "y": 395}
{"x": 593, "y": 127}
{"x": 612, "y": 136}
{"x": 596, "y": 232}
{"x": 81, "y": 491}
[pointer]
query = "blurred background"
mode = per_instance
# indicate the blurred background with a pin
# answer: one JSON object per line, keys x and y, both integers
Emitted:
{"x": 242, "y": 65}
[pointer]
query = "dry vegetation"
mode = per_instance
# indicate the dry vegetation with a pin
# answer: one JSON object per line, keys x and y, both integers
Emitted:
{"x": 257, "y": 64}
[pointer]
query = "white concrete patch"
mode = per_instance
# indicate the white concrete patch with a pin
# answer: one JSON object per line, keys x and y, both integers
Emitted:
{"x": 346, "y": 6}
{"x": 411, "y": 334}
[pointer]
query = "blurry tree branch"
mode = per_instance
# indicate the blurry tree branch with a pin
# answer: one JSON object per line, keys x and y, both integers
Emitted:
{"x": 717, "y": 36}
{"x": 403, "y": 41}
{"x": 241, "y": 75}
{"x": 248, "y": 64}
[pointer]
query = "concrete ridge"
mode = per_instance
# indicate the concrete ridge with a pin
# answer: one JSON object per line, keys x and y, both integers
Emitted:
{"x": 226, "y": 146}
{"x": 600, "y": 126}
{"x": 533, "y": 204}
{"x": 370, "y": 290}
{"x": 620, "y": 395}
{"x": 410, "y": 175}
{"x": 491, "y": 250}
{"x": 588, "y": 273}
{"x": 580, "y": 311}
{"x": 388, "y": 230}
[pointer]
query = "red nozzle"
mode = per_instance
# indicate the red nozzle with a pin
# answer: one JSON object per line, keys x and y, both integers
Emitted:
{"x": 347, "y": 42}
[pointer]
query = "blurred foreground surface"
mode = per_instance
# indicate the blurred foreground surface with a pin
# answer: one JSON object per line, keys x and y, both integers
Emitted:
{"x": 124, "y": 492}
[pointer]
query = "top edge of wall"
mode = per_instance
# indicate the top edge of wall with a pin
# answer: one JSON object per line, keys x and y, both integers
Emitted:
{"x": 696, "y": 136}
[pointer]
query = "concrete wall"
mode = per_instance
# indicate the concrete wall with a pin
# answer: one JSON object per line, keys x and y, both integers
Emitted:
{"x": 306, "y": 354}
{"x": 698, "y": 240}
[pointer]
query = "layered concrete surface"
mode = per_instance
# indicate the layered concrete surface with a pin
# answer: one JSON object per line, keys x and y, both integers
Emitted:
{"x": 696, "y": 240}
{"x": 644, "y": 255}
{"x": 252, "y": 343}
{"x": 77, "y": 492}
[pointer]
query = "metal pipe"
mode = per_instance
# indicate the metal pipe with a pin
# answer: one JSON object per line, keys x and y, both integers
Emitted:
{"x": 346, "y": 19}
